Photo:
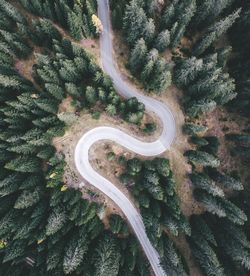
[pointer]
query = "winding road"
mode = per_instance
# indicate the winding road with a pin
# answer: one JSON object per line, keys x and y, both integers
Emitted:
{"x": 109, "y": 133}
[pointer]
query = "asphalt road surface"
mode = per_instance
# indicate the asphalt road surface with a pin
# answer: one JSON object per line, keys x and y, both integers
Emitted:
{"x": 157, "y": 147}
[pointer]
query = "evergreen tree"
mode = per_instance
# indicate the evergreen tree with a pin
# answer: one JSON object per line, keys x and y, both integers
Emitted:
{"x": 24, "y": 164}
{"x": 152, "y": 184}
{"x": 27, "y": 199}
{"x": 47, "y": 105}
{"x": 12, "y": 12}
{"x": 149, "y": 30}
{"x": 74, "y": 253}
{"x": 184, "y": 11}
{"x": 214, "y": 32}
{"x": 169, "y": 14}
{"x": 226, "y": 181}
{"x": 91, "y": 95}
{"x": 111, "y": 109}
{"x": 208, "y": 11}
{"x": 56, "y": 221}
{"x": 134, "y": 166}
{"x": 193, "y": 129}
{"x": 72, "y": 89}
{"x": 202, "y": 158}
{"x": 195, "y": 108}
{"x": 206, "y": 256}
{"x": 202, "y": 181}
{"x": 187, "y": 71}
{"x": 162, "y": 166}
{"x": 162, "y": 40}
{"x": 9, "y": 81}
{"x": 200, "y": 227}
{"x": 199, "y": 141}
{"x": 107, "y": 257}
{"x": 211, "y": 203}
{"x": 117, "y": 224}
{"x": 138, "y": 56}
{"x": 135, "y": 23}
{"x": 55, "y": 90}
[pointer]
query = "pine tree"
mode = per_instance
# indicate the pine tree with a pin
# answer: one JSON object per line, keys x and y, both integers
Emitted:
{"x": 206, "y": 256}
{"x": 138, "y": 56}
{"x": 208, "y": 11}
{"x": 169, "y": 14}
{"x": 117, "y": 14}
{"x": 24, "y": 164}
{"x": 47, "y": 105}
{"x": 162, "y": 40}
{"x": 149, "y": 31}
{"x": 91, "y": 95}
{"x": 111, "y": 109}
{"x": 74, "y": 253}
{"x": 202, "y": 158}
{"x": 199, "y": 226}
{"x": 9, "y": 81}
{"x": 202, "y": 181}
{"x": 223, "y": 55}
{"x": 162, "y": 166}
{"x": 47, "y": 30}
{"x": 117, "y": 224}
{"x": 183, "y": 14}
{"x": 107, "y": 257}
{"x": 199, "y": 141}
{"x": 234, "y": 213}
{"x": 15, "y": 249}
{"x": 72, "y": 89}
{"x": 211, "y": 203}
{"x": 74, "y": 23}
{"x": 56, "y": 221}
{"x": 27, "y": 199}
{"x": 226, "y": 181}
{"x": 195, "y": 108}
{"x": 55, "y": 255}
{"x": 12, "y": 12}
{"x": 234, "y": 243}
{"x": 55, "y": 90}
{"x": 134, "y": 22}
{"x": 134, "y": 166}
{"x": 214, "y": 32}
{"x": 193, "y": 129}
{"x": 170, "y": 258}
{"x": 187, "y": 71}
{"x": 151, "y": 60}
{"x": 239, "y": 138}
{"x": 161, "y": 77}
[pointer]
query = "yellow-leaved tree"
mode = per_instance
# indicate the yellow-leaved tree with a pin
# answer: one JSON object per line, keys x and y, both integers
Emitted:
{"x": 97, "y": 23}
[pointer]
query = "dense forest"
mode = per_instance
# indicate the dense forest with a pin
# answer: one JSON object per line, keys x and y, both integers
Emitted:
{"x": 205, "y": 43}
{"x": 45, "y": 228}
{"x": 198, "y": 46}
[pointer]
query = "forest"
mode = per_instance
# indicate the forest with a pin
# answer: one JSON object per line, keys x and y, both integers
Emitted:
{"x": 200, "y": 47}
